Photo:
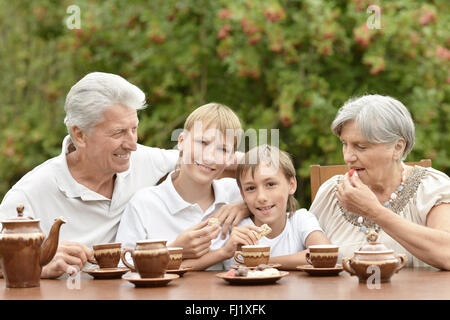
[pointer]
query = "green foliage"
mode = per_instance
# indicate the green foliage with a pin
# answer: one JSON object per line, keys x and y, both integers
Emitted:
{"x": 278, "y": 63}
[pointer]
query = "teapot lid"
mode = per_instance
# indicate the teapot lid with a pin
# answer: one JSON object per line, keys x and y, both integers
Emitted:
{"x": 19, "y": 218}
{"x": 373, "y": 245}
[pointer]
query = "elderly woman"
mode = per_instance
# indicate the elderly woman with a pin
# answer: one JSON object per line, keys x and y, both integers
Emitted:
{"x": 408, "y": 206}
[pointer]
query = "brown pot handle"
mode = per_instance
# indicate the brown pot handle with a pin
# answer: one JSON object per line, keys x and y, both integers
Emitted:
{"x": 402, "y": 258}
{"x": 347, "y": 267}
{"x": 308, "y": 258}
{"x": 236, "y": 258}
{"x": 125, "y": 262}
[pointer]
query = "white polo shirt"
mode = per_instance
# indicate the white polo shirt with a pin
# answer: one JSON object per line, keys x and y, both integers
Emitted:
{"x": 293, "y": 237}
{"x": 50, "y": 191}
{"x": 159, "y": 212}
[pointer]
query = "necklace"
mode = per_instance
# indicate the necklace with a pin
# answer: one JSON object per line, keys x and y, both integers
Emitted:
{"x": 394, "y": 194}
{"x": 387, "y": 204}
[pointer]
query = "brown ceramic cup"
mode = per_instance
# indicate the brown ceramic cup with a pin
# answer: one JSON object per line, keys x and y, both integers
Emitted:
{"x": 322, "y": 256}
{"x": 175, "y": 258}
{"x": 150, "y": 258}
{"x": 106, "y": 255}
{"x": 253, "y": 255}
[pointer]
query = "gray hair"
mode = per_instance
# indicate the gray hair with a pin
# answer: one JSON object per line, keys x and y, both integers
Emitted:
{"x": 381, "y": 119}
{"x": 88, "y": 99}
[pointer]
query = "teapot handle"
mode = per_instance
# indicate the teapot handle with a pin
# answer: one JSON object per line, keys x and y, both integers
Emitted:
{"x": 347, "y": 267}
{"x": 125, "y": 262}
{"x": 402, "y": 260}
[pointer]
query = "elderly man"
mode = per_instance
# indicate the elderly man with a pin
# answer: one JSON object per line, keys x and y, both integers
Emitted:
{"x": 99, "y": 169}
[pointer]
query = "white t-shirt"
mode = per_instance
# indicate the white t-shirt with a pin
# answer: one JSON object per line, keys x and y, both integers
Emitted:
{"x": 49, "y": 191}
{"x": 293, "y": 237}
{"x": 159, "y": 212}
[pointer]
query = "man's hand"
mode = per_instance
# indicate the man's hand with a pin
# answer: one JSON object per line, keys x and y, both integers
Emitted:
{"x": 196, "y": 240}
{"x": 230, "y": 215}
{"x": 70, "y": 257}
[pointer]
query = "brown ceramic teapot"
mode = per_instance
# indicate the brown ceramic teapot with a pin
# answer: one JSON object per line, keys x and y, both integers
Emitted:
{"x": 372, "y": 255}
{"x": 23, "y": 251}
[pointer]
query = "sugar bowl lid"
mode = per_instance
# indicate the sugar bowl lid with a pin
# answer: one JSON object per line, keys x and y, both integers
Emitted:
{"x": 20, "y": 217}
{"x": 373, "y": 246}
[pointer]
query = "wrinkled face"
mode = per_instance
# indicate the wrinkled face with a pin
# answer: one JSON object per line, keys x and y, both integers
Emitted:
{"x": 266, "y": 193}
{"x": 373, "y": 161}
{"x": 206, "y": 152}
{"x": 109, "y": 145}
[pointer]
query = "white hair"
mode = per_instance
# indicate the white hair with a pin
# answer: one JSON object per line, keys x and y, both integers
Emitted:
{"x": 381, "y": 119}
{"x": 88, "y": 99}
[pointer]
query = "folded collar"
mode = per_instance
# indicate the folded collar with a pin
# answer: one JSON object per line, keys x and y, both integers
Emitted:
{"x": 176, "y": 203}
{"x": 69, "y": 186}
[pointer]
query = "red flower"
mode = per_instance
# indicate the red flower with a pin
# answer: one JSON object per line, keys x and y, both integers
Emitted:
{"x": 442, "y": 53}
{"x": 255, "y": 39}
{"x": 286, "y": 120}
{"x": 249, "y": 26}
{"x": 328, "y": 35}
{"x": 326, "y": 50}
{"x": 8, "y": 152}
{"x": 224, "y": 32}
{"x": 362, "y": 35}
{"x": 225, "y": 14}
{"x": 274, "y": 14}
{"x": 427, "y": 18}
{"x": 377, "y": 69}
{"x": 157, "y": 38}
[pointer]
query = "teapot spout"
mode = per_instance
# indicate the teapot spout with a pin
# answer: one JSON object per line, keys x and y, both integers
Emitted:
{"x": 50, "y": 245}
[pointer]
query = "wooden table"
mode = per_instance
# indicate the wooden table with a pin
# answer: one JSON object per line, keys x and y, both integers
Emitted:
{"x": 417, "y": 284}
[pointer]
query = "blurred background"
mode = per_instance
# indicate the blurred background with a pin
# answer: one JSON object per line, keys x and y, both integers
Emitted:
{"x": 280, "y": 64}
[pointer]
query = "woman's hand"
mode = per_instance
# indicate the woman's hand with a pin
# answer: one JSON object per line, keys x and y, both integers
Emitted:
{"x": 230, "y": 215}
{"x": 356, "y": 197}
{"x": 196, "y": 240}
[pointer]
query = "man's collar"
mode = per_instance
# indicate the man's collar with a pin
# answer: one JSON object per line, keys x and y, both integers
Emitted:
{"x": 68, "y": 185}
{"x": 175, "y": 203}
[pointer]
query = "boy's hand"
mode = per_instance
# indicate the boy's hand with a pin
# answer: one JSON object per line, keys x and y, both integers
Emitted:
{"x": 196, "y": 240}
{"x": 241, "y": 236}
{"x": 230, "y": 215}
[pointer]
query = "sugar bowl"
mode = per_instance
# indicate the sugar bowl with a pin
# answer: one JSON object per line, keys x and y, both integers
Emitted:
{"x": 374, "y": 256}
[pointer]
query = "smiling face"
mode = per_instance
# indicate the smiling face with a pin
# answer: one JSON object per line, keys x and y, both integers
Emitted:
{"x": 374, "y": 162}
{"x": 205, "y": 153}
{"x": 109, "y": 145}
{"x": 266, "y": 193}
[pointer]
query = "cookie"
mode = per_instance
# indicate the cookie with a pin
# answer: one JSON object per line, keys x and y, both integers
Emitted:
{"x": 213, "y": 222}
{"x": 265, "y": 232}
